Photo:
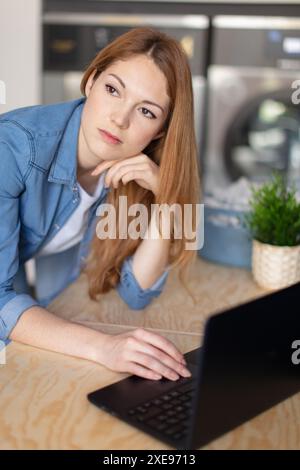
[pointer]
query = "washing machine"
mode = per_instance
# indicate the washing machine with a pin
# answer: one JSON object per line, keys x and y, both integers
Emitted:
{"x": 253, "y": 100}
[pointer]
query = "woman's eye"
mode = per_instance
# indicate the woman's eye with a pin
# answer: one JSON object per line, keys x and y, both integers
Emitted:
{"x": 109, "y": 88}
{"x": 150, "y": 115}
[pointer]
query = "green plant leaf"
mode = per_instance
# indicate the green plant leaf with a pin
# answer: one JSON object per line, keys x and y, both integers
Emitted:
{"x": 274, "y": 215}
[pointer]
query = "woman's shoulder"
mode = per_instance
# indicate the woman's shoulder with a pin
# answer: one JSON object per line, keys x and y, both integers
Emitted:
{"x": 40, "y": 119}
{"x": 32, "y": 134}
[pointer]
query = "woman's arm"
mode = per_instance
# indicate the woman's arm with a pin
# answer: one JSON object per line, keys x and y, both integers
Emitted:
{"x": 151, "y": 257}
{"x": 138, "y": 352}
{"x": 40, "y": 328}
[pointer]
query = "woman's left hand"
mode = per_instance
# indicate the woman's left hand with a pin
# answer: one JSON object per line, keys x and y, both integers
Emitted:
{"x": 139, "y": 168}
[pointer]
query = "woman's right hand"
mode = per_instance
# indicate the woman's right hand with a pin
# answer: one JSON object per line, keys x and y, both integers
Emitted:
{"x": 143, "y": 353}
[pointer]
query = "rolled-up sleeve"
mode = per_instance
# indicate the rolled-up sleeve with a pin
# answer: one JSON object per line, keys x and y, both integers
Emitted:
{"x": 132, "y": 293}
{"x": 11, "y": 312}
{"x": 12, "y": 305}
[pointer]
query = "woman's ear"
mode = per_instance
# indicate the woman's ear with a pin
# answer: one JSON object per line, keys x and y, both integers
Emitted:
{"x": 160, "y": 134}
{"x": 90, "y": 83}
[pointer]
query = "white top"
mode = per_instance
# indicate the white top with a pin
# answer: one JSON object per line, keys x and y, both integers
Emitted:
{"x": 73, "y": 230}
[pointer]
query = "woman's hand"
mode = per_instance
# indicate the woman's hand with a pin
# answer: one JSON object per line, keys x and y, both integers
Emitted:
{"x": 143, "y": 353}
{"x": 139, "y": 168}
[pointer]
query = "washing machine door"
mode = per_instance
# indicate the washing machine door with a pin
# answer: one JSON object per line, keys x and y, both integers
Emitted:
{"x": 264, "y": 137}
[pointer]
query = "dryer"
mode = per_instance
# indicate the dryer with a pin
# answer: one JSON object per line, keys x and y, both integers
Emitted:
{"x": 253, "y": 100}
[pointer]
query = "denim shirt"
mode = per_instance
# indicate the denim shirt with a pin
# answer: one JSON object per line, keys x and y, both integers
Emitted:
{"x": 38, "y": 193}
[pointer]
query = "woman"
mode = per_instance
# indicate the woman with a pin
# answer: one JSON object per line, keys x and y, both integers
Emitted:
{"x": 60, "y": 162}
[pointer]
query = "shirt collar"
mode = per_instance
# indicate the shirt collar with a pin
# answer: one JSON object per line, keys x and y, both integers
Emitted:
{"x": 64, "y": 166}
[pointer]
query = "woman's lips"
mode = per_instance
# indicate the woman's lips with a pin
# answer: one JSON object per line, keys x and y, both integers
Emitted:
{"x": 109, "y": 138}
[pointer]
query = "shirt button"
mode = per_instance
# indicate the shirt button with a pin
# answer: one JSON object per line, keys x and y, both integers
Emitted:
{"x": 56, "y": 226}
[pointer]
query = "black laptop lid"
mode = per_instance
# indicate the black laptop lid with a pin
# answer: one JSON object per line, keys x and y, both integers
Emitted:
{"x": 246, "y": 363}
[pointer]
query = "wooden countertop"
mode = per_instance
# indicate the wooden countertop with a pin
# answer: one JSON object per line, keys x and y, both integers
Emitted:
{"x": 43, "y": 394}
{"x": 215, "y": 288}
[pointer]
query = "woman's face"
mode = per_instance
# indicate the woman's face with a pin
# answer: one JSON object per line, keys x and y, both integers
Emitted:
{"x": 116, "y": 103}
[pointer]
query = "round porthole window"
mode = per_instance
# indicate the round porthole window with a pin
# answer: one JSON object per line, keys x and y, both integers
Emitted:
{"x": 264, "y": 136}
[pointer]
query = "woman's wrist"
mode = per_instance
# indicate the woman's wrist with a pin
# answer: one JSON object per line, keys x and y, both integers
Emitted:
{"x": 96, "y": 346}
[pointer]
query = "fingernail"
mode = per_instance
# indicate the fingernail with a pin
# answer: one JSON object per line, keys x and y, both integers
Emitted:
{"x": 157, "y": 377}
{"x": 174, "y": 376}
{"x": 186, "y": 373}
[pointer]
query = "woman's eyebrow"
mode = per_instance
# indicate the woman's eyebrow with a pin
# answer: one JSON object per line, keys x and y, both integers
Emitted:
{"x": 145, "y": 101}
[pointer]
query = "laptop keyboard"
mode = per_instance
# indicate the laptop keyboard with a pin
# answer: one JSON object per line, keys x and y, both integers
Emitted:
{"x": 168, "y": 413}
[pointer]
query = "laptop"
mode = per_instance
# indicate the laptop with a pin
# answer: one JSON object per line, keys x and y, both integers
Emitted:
{"x": 244, "y": 367}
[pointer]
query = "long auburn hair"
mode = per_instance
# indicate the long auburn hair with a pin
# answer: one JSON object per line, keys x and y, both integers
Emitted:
{"x": 175, "y": 153}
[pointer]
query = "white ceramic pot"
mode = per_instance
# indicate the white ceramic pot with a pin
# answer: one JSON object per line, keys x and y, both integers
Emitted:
{"x": 275, "y": 267}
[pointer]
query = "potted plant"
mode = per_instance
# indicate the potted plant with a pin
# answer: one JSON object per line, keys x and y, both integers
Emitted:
{"x": 274, "y": 223}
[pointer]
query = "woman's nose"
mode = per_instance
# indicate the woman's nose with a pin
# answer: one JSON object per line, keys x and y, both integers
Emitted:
{"x": 121, "y": 118}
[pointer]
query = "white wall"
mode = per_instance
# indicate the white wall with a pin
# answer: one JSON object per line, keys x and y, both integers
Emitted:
{"x": 20, "y": 52}
{"x": 20, "y": 60}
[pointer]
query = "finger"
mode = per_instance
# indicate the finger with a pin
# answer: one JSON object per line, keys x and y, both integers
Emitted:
{"x": 141, "y": 371}
{"x": 115, "y": 169}
{"x": 160, "y": 342}
{"x": 117, "y": 174}
{"x": 136, "y": 175}
{"x": 164, "y": 358}
{"x": 117, "y": 163}
{"x": 125, "y": 162}
{"x": 103, "y": 166}
{"x": 151, "y": 363}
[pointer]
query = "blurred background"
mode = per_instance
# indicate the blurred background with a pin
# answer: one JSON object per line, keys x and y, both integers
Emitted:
{"x": 245, "y": 63}
{"x": 244, "y": 58}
